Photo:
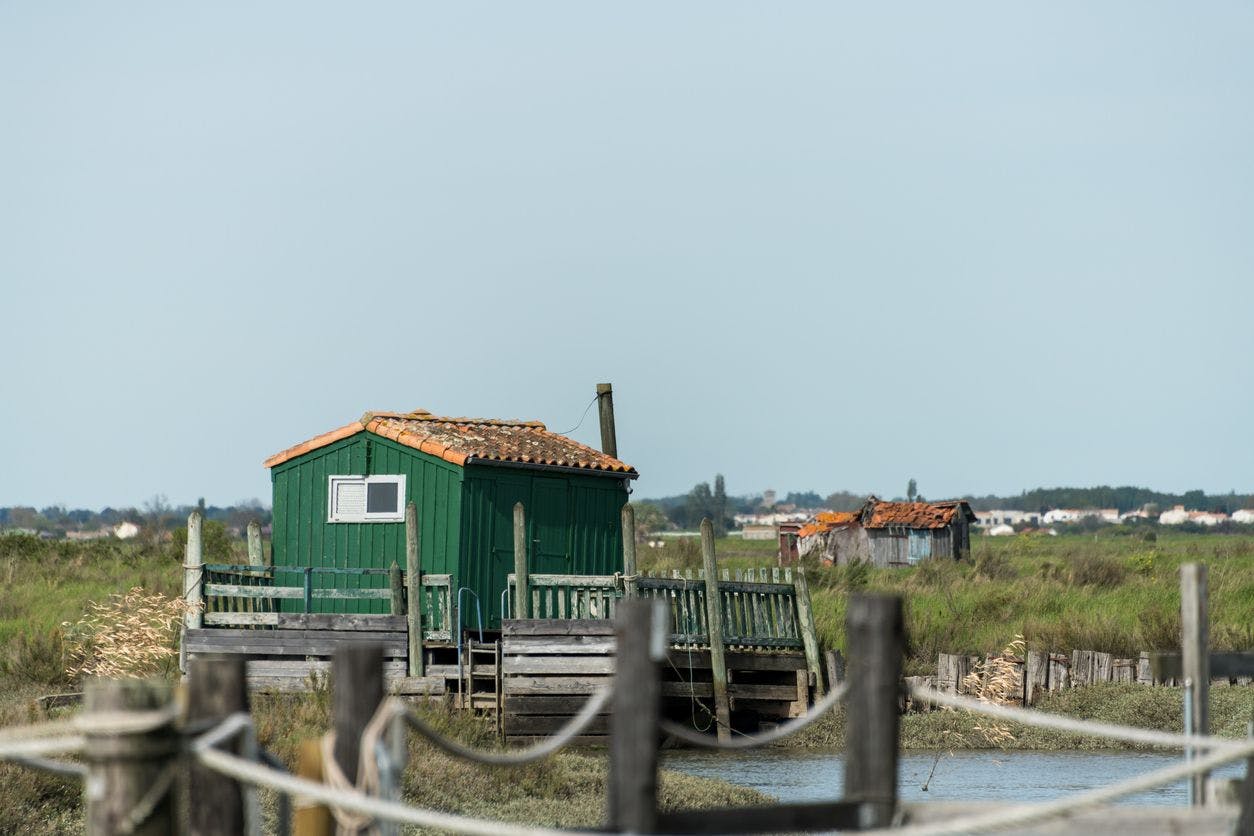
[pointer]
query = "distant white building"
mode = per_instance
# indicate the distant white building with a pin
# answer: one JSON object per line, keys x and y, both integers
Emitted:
{"x": 1245, "y": 516}
{"x": 989, "y": 519}
{"x": 125, "y": 530}
{"x": 1071, "y": 515}
{"x": 1179, "y": 516}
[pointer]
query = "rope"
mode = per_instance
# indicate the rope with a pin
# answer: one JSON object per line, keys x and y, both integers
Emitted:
{"x": 352, "y": 823}
{"x": 1031, "y": 717}
{"x": 42, "y": 746}
{"x": 1026, "y": 814}
{"x": 263, "y": 776}
{"x": 753, "y": 741}
{"x": 65, "y": 768}
{"x": 575, "y": 726}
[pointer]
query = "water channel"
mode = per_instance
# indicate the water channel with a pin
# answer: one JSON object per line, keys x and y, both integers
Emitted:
{"x": 959, "y": 776}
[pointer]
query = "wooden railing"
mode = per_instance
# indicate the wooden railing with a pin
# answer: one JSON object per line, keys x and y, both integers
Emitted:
{"x": 254, "y": 596}
{"x": 759, "y": 613}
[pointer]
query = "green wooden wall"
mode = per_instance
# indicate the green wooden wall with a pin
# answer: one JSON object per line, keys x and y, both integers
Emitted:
{"x": 303, "y": 537}
{"x": 465, "y": 516}
{"x": 574, "y": 526}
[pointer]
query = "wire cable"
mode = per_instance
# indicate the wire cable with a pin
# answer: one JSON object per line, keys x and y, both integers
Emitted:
{"x": 753, "y": 741}
{"x": 581, "y": 417}
{"x": 563, "y": 736}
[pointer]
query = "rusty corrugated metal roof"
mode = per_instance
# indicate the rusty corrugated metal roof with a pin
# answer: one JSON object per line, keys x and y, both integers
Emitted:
{"x": 912, "y": 514}
{"x": 464, "y": 440}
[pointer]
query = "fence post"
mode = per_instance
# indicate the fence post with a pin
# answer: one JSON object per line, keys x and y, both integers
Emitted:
{"x": 640, "y": 633}
{"x": 308, "y": 582}
{"x": 1195, "y": 655}
{"x": 875, "y": 638}
{"x": 522, "y": 585}
{"x": 835, "y": 668}
{"x": 131, "y": 776}
{"x": 357, "y": 690}
{"x": 714, "y": 617}
{"x": 216, "y": 688}
{"x": 396, "y": 583}
{"x": 254, "y": 545}
{"x": 809, "y": 638}
{"x": 193, "y": 574}
{"x": 629, "y": 551}
{"x": 413, "y": 581}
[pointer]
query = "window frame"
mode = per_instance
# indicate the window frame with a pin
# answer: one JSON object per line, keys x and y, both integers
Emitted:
{"x": 398, "y": 479}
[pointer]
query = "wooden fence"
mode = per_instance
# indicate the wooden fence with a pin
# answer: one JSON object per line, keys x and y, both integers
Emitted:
{"x": 261, "y": 596}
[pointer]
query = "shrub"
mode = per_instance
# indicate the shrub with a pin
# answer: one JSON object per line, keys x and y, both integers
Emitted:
{"x": 127, "y": 636}
{"x": 1095, "y": 570}
{"x": 36, "y": 658}
{"x": 994, "y": 566}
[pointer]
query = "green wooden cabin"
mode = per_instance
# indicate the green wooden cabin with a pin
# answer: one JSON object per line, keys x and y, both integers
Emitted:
{"x": 339, "y": 501}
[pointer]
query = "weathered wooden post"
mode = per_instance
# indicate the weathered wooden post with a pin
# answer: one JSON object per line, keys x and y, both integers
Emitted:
{"x": 875, "y": 638}
{"x": 216, "y": 689}
{"x": 130, "y": 775}
{"x": 396, "y": 583}
{"x": 640, "y": 633}
{"x": 193, "y": 574}
{"x": 254, "y": 545}
{"x": 629, "y": 551}
{"x": 1195, "y": 655}
{"x": 522, "y": 584}
{"x": 714, "y": 617}
{"x": 605, "y": 406}
{"x": 835, "y": 668}
{"x": 413, "y": 579}
{"x": 809, "y": 637}
{"x": 357, "y": 690}
{"x": 1036, "y": 676}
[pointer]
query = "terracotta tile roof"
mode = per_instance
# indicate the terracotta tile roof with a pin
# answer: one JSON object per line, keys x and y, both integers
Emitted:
{"x": 913, "y": 514}
{"x": 465, "y": 440}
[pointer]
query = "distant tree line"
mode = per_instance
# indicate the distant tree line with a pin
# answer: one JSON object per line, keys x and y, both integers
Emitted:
{"x": 156, "y": 515}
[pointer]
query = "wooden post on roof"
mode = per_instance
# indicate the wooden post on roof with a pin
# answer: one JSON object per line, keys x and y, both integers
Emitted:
{"x": 809, "y": 637}
{"x": 714, "y": 617}
{"x": 1195, "y": 655}
{"x": 605, "y": 404}
{"x": 629, "y": 551}
{"x": 193, "y": 573}
{"x": 522, "y": 584}
{"x": 413, "y": 580}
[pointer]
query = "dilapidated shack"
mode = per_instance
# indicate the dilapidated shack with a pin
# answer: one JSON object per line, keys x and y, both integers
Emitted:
{"x": 890, "y": 533}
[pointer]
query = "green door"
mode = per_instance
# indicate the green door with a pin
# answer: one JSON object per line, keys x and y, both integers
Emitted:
{"x": 550, "y": 527}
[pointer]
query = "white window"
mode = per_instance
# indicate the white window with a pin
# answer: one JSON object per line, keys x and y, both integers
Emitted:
{"x": 366, "y": 499}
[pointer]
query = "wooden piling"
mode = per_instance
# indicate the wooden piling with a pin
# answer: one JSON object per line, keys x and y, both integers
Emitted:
{"x": 254, "y": 545}
{"x": 357, "y": 690}
{"x": 216, "y": 689}
{"x": 413, "y": 580}
{"x": 605, "y": 407}
{"x": 1195, "y": 654}
{"x": 131, "y": 777}
{"x": 396, "y": 583}
{"x": 629, "y": 551}
{"x": 835, "y": 668}
{"x": 631, "y": 798}
{"x": 193, "y": 574}
{"x": 809, "y": 637}
{"x": 522, "y": 585}
{"x": 1036, "y": 676}
{"x": 714, "y": 618}
{"x": 876, "y": 643}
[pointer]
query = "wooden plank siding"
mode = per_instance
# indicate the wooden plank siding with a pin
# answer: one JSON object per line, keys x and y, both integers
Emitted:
{"x": 302, "y": 536}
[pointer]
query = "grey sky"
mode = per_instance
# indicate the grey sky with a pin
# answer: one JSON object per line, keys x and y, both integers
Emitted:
{"x": 824, "y": 246}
